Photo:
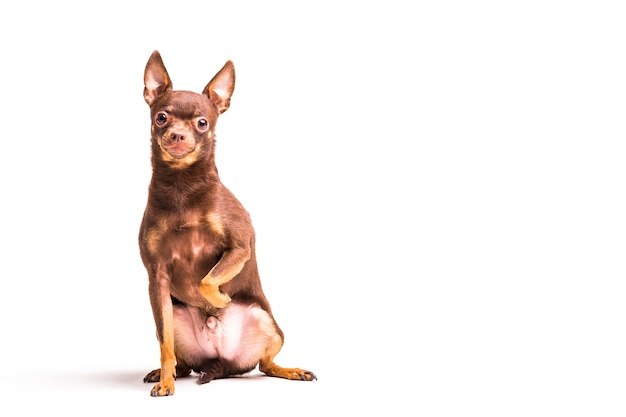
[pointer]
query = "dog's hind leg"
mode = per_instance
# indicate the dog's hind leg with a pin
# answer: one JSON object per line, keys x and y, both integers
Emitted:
{"x": 182, "y": 370}
{"x": 268, "y": 367}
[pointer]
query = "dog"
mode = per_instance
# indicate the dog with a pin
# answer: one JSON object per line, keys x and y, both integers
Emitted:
{"x": 197, "y": 244}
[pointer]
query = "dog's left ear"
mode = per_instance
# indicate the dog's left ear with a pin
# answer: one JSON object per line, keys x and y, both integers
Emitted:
{"x": 221, "y": 87}
{"x": 155, "y": 79}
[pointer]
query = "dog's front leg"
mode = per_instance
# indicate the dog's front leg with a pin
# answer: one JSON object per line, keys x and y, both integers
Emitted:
{"x": 164, "y": 318}
{"x": 230, "y": 264}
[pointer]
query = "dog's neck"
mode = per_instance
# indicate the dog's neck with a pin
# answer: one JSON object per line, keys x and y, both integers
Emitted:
{"x": 176, "y": 189}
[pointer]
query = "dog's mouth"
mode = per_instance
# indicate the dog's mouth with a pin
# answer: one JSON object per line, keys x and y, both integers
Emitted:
{"x": 180, "y": 154}
{"x": 178, "y": 150}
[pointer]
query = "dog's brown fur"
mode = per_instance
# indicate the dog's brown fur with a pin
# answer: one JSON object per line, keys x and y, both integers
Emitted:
{"x": 198, "y": 246}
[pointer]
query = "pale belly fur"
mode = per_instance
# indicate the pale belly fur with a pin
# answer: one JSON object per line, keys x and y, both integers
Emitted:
{"x": 240, "y": 335}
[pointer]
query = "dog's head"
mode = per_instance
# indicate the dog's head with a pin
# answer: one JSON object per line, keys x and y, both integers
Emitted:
{"x": 183, "y": 122}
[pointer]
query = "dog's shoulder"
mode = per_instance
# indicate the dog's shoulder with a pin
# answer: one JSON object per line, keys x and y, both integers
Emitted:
{"x": 226, "y": 214}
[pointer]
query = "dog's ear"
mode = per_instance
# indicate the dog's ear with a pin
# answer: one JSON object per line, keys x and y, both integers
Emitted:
{"x": 221, "y": 87}
{"x": 155, "y": 79}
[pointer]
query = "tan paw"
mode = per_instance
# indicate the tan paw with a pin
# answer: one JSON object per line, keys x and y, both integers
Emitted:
{"x": 162, "y": 390}
{"x": 214, "y": 296}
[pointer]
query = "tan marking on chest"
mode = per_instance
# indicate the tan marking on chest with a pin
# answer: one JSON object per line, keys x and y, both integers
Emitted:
{"x": 215, "y": 223}
{"x": 170, "y": 224}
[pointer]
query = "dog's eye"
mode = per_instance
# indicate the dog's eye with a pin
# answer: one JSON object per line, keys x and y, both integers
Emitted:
{"x": 161, "y": 118}
{"x": 203, "y": 124}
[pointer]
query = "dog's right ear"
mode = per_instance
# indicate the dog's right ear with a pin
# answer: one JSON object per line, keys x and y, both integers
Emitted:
{"x": 155, "y": 79}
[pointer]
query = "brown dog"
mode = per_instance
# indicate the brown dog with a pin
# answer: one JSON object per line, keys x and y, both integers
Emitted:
{"x": 197, "y": 244}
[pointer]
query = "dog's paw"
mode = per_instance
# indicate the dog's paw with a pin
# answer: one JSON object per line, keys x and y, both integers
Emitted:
{"x": 303, "y": 375}
{"x": 295, "y": 374}
{"x": 205, "y": 377}
{"x": 153, "y": 376}
{"x": 162, "y": 390}
{"x": 306, "y": 375}
{"x": 214, "y": 296}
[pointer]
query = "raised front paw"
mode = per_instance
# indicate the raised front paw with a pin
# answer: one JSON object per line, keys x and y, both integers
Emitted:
{"x": 214, "y": 295}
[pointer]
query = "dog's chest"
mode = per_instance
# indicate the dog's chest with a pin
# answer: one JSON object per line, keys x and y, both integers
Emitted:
{"x": 190, "y": 244}
{"x": 182, "y": 248}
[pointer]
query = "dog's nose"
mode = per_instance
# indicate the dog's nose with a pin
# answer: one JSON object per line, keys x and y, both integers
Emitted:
{"x": 177, "y": 137}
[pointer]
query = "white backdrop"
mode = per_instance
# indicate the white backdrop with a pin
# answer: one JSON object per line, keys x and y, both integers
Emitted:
{"x": 437, "y": 190}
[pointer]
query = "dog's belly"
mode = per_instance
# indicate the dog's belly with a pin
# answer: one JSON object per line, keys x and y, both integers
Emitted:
{"x": 240, "y": 335}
